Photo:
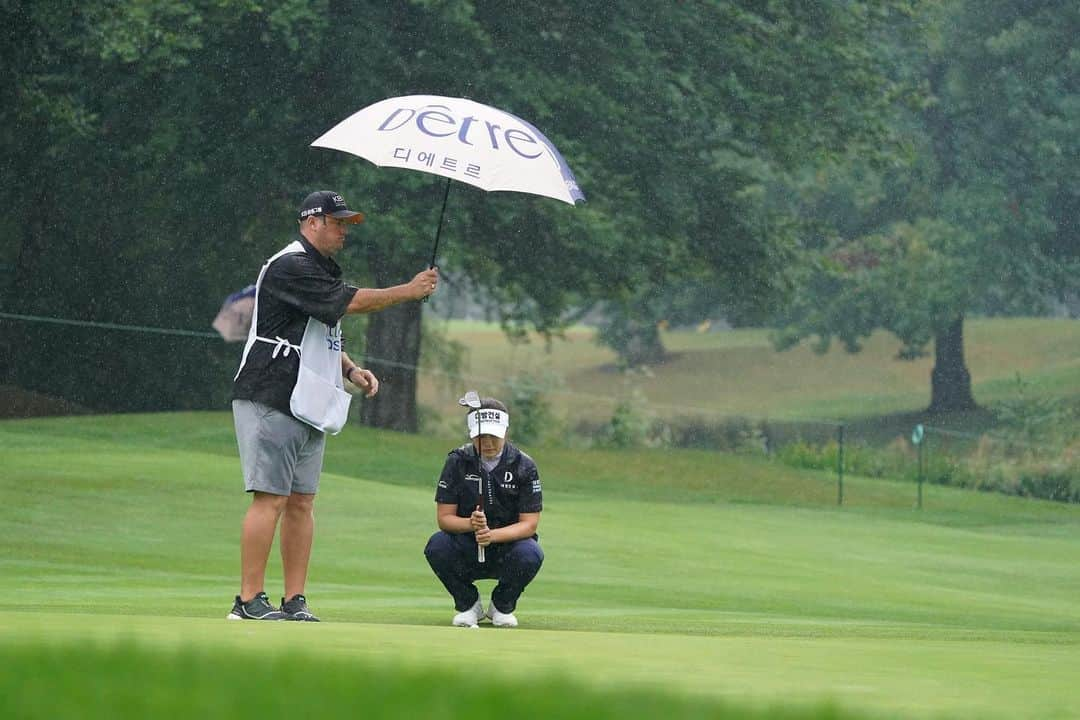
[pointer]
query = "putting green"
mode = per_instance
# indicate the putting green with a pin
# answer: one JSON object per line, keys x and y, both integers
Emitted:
{"x": 114, "y": 532}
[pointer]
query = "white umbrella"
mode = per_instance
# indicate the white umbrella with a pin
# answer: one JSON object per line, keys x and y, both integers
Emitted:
{"x": 234, "y": 318}
{"x": 457, "y": 139}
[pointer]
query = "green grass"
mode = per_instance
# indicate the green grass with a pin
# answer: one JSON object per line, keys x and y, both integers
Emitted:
{"x": 81, "y": 681}
{"x": 720, "y": 584}
{"x": 738, "y": 373}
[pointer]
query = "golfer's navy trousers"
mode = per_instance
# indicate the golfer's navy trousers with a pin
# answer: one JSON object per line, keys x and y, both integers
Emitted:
{"x": 514, "y": 565}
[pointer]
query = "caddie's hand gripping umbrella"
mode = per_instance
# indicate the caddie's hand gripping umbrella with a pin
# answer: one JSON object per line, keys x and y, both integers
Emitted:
{"x": 460, "y": 140}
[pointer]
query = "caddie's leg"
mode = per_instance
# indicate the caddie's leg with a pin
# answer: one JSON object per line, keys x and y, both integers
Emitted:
{"x": 257, "y": 536}
{"x": 298, "y": 524}
{"x": 519, "y": 564}
{"x": 453, "y": 558}
{"x": 297, "y": 530}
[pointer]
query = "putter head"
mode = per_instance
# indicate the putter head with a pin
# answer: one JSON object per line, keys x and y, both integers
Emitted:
{"x": 470, "y": 399}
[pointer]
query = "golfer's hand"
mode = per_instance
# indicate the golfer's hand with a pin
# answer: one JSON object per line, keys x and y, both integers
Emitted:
{"x": 366, "y": 381}
{"x": 424, "y": 283}
{"x": 478, "y": 519}
{"x": 483, "y": 536}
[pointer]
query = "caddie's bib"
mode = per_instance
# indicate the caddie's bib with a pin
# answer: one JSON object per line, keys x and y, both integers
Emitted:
{"x": 318, "y": 397}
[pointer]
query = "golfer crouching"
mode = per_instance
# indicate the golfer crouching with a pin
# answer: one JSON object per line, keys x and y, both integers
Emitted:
{"x": 488, "y": 505}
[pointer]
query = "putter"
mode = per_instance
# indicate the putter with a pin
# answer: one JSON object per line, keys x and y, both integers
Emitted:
{"x": 472, "y": 400}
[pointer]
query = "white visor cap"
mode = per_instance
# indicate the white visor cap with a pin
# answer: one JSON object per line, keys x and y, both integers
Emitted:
{"x": 488, "y": 421}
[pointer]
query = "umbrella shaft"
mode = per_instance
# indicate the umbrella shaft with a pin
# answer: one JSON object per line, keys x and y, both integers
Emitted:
{"x": 438, "y": 228}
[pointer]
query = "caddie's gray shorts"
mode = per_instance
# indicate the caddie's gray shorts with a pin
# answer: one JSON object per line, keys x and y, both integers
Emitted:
{"x": 279, "y": 454}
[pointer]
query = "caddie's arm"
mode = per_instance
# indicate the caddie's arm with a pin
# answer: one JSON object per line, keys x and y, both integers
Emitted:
{"x": 358, "y": 376}
{"x": 447, "y": 517}
{"x": 371, "y": 299}
{"x": 523, "y": 528}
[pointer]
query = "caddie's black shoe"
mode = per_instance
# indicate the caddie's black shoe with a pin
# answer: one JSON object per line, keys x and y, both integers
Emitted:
{"x": 257, "y": 608}
{"x": 295, "y": 608}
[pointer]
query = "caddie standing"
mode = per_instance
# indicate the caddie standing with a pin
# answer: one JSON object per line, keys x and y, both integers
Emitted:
{"x": 290, "y": 391}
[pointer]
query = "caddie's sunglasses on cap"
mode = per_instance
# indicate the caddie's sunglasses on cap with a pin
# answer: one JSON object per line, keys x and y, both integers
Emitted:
{"x": 327, "y": 202}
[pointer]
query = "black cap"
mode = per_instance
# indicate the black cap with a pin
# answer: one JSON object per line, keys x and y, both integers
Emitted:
{"x": 328, "y": 202}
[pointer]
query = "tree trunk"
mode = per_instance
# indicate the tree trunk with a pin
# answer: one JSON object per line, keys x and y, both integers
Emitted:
{"x": 393, "y": 352}
{"x": 644, "y": 346}
{"x": 16, "y": 297}
{"x": 950, "y": 381}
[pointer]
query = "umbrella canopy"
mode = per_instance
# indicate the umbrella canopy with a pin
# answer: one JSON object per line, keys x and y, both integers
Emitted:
{"x": 458, "y": 139}
{"x": 234, "y": 318}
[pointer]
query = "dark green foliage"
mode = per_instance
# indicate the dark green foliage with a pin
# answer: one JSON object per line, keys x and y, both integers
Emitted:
{"x": 979, "y": 217}
{"x": 989, "y": 466}
{"x": 730, "y": 434}
{"x": 154, "y": 155}
{"x": 775, "y": 88}
{"x": 532, "y": 418}
{"x": 1035, "y": 418}
{"x": 141, "y": 201}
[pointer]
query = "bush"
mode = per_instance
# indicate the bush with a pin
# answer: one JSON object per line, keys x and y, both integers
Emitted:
{"x": 1034, "y": 418}
{"x": 895, "y": 460}
{"x": 533, "y": 420}
{"x": 630, "y": 423}
{"x": 1005, "y": 465}
{"x": 1049, "y": 483}
{"x": 807, "y": 456}
{"x": 729, "y": 434}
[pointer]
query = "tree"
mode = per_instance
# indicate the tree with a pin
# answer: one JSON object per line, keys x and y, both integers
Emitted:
{"x": 676, "y": 126}
{"x": 130, "y": 135}
{"x": 782, "y": 84}
{"x": 909, "y": 281}
{"x": 980, "y": 220}
{"x": 170, "y": 143}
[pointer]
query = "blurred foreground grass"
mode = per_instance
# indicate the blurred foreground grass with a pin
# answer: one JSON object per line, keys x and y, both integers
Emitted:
{"x": 124, "y": 682}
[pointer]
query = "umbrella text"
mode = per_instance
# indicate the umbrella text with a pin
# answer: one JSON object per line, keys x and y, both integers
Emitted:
{"x": 436, "y": 121}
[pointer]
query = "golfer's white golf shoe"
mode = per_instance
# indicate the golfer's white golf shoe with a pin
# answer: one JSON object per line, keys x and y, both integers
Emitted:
{"x": 500, "y": 619}
{"x": 470, "y": 617}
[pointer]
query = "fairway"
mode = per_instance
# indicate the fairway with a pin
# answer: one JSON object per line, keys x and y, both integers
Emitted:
{"x": 746, "y": 376}
{"x": 699, "y": 576}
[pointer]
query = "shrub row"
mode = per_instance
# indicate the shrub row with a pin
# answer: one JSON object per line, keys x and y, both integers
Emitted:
{"x": 989, "y": 465}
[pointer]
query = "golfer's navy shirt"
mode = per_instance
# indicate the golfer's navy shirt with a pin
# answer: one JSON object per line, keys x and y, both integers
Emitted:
{"x": 512, "y": 488}
{"x": 296, "y": 286}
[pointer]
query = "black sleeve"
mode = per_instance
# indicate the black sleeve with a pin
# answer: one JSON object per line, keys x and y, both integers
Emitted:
{"x": 449, "y": 488}
{"x": 530, "y": 495}
{"x": 299, "y": 282}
